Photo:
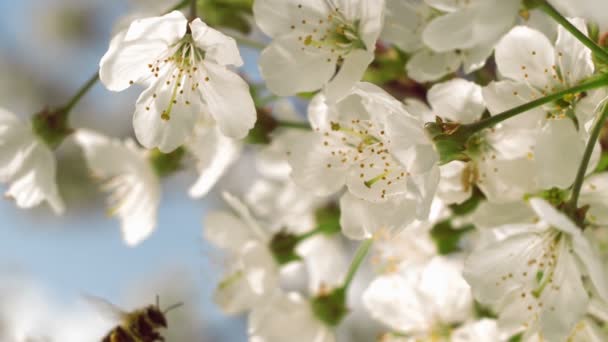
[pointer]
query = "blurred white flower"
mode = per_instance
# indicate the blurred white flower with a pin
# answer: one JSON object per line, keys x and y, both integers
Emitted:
{"x": 28, "y": 164}
{"x": 287, "y": 317}
{"x": 185, "y": 73}
{"x": 253, "y": 273}
{"x": 423, "y": 300}
{"x": 133, "y": 183}
{"x": 311, "y": 38}
{"x": 442, "y": 36}
{"x": 533, "y": 274}
{"x": 213, "y": 152}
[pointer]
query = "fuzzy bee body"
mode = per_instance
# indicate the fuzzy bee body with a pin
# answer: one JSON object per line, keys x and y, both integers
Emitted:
{"x": 140, "y": 325}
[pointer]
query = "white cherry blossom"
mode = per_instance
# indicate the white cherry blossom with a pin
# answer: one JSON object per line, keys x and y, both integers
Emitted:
{"x": 253, "y": 274}
{"x": 533, "y": 67}
{"x": 421, "y": 300}
{"x": 533, "y": 274}
{"x": 27, "y": 164}
{"x": 129, "y": 177}
{"x": 500, "y": 165}
{"x": 413, "y": 26}
{"x": 184, "y": 67}
{"x": 313, "y": 39}
{"x": 370, "y": 143}
{"x": 287, "y": 317}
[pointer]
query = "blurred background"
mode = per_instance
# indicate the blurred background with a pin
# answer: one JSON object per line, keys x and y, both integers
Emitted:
{"x": 48, "y": 49}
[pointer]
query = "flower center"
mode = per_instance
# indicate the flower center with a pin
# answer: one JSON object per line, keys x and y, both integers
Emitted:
{"x": 334, "y": 34}
{"x": 178, "y": 75}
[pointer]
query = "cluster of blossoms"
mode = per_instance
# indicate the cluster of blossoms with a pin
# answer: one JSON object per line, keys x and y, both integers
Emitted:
{"x": 482, "y": 199}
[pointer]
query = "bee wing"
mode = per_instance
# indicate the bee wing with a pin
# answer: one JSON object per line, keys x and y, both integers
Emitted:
{"x": 107, "y": 309}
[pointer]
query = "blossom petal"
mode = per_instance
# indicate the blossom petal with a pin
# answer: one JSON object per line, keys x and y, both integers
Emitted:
{"x": 275, "y": 17}
{"x": 228, "y": 100}
{"x": 360, "y": 219}
{"x": 573, "y": 57}
{"x": 214, "y": 153}
{"x": 218, "y": 47}
{"x": 131, "y": 51}
{"x": 309, "y": 159}
{"x": 287, "y": 69}
{"x": 163, "y": 119}
{"x": 351, "y": 71}
{"x": 526, "y": 55}
{"x": 557, "y": 153}
{"x": 426, "y": 65}
{"x": 134, "y": 187}
{"x": 458, "y": 100}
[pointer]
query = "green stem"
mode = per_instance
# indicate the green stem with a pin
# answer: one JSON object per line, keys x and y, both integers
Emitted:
{"x": 357, "y": 260}
{"x": 582, "y": 169}
{"x": 294, "y": 124}
{"x": 193, "y": 7}
{"x": 321, "y": 229}
{"x": 65, "y": 110}
{"x": 553, "y": 13}
{"x": 495, "y": 119}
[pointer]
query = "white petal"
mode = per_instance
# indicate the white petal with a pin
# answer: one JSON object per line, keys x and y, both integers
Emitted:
{"x": 131, "y": 51}
{"x": 35, "y": 182}
{"x": 134, "y": 187}
{"x": 506, "y": 180}
{"x": 284, "y": 315}
{"x": 214, "y": 153}
{"x": 168, "y": 28}
{"x": 394, "y": 300}
{"x": 484, "y": 330}
{"x": 442, "y": 281}
{"x": 568, "y": 298}
{"x": 555, "y": 218}
{"x": 458, "y": 100}
{"x": 595, "y": 194}
{"x": 504, "y": 95}
{"x": 487, "y": 270}
{"x": 475, "y": 58}
{"x": 557, "y": 153}
{"x": 287, "y": 69}
{"x": 426, "y": 65}
{"x": 404, "y": 23}
{"x": 163, "y": 120}
{"x": 573, "y": 58}
{"x": 451, "y": 31}
{"x": 275, "y": 17}
{"x": 526, "y": 55}
{"x": 309, "y": 159}
{"x": 253, "y": 280}
{"x": 360, "y": 219}
{"x": 351, "y": 71}
{"x": 218, "y": 47}
{"x": 228, "y": 100}
{"x": 451, "y": 187}
{"x": 370, "y": 16}
{"x": 227, "y": 231}
{"x": 592, "y": 264}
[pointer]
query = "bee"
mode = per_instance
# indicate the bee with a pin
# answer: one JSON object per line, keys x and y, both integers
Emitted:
{"x": 141, "y": 325}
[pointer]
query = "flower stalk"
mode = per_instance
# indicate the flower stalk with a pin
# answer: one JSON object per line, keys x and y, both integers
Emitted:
{"x": 451, "y": 139}
{"x": 571, "y": 206}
